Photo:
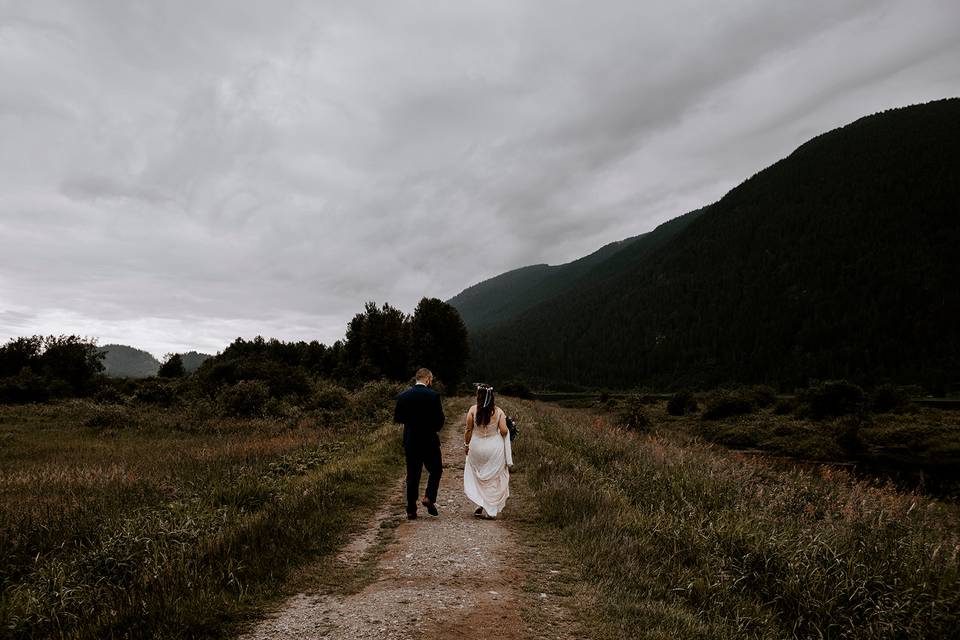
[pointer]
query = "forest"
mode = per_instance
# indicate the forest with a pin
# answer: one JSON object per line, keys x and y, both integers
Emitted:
{"x": 249, "y": 376}
{"x": 838, "y": 261}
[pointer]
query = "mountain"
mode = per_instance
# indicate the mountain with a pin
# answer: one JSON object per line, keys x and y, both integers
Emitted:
{"x": 505, "y": 296}
{"x": 192, "y": 360}
{"x": 121, "y": 361}
{"x": 838, "y": 261}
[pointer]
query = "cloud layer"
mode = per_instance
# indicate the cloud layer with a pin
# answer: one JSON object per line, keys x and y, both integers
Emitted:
{"x": 176, "y": 174}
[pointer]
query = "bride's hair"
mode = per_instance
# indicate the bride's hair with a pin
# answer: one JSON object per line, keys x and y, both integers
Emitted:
{"x": 485, "y": 404}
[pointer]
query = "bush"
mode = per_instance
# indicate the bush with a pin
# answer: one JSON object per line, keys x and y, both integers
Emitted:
{"x": 109, "y": 394}
{"x": 439, "y": 387}
{"x": 634, "y": 416}
{"x": 328, "y": 396}
{"x": 107, "y": 416}
{"x": 831, "y": 399}
{"x": 889, "y": 399}
{"x": 277, "y": 408}
{"x": 374, "y": 401}
{"x": 516, "y": 389}
{"x": 728, "y": 403}
{"x": 24, "y": 387}
{"x": 680, "y": 403}
{"x": 848, "y": 436}
{"x": 785, "y": 406}
{"x": 763, "y": 395}
{"x": 282, "y": 379}
{"x": 154, "y": 391}
{"x": 245, "y": 399}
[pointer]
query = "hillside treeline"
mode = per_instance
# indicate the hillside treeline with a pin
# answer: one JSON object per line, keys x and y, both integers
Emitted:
{"x": 382, "y": 343}
{"x": 839, "y": 261}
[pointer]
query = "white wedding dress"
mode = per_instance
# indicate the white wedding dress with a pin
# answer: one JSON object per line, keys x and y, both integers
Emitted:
{"x": 486, "y": 478}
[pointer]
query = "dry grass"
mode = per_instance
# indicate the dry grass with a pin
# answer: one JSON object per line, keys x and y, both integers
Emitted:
{"x": 168, "y": 524}
{"x": 686, "y": 540}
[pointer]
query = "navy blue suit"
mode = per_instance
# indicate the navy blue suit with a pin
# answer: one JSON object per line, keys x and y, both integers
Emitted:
{"x": 420, "y": 411}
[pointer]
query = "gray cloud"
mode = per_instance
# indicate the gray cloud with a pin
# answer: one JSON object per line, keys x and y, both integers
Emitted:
{"x": 173, "y": 175}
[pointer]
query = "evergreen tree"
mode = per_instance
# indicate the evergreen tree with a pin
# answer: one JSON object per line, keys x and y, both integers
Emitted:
{"x": 172, "y": 367}
{"x": 438, "y": 341}
{"x": 377, "y": 343}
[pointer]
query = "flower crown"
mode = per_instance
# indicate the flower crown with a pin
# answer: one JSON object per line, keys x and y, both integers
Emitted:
{"x": 488, "y": 397}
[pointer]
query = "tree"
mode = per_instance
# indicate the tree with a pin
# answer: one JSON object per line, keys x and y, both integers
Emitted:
{"x": 172, "y": 367}
{"x": 376, "y": 343}
{"x": 72, "y": 359}
{"x": 65, "y": 365}
{"x": 20, "y": 353}
{"x": 438, "y": 341}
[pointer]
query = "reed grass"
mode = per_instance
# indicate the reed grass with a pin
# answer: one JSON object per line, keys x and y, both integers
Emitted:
{"x": 685, "y": 540}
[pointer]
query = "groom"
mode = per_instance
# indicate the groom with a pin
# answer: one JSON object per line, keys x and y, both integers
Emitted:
{"x": 420, "y": 411}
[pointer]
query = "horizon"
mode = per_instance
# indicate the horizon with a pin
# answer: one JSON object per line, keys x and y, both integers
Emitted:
{"x": 176, "y": 176}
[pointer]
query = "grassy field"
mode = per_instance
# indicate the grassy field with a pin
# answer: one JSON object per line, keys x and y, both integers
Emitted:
{"x": 124, "y": 522}
{"x": 916, "y": 447}
{"x": 683, "y": 539}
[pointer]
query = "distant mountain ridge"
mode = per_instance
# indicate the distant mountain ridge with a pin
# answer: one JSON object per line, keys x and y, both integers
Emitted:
{"x": 122, "y": 361}
{"x": 838, "y": 261}
{"x": 503, "y": 297}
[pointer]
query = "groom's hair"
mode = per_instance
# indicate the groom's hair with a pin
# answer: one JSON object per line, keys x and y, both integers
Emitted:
{"x": 423, "y": 374}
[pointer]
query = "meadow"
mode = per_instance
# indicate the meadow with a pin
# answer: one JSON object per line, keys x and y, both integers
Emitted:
{"x": 127, "y": 521}
{"x": 678, "y": 537}
{"x": 134, "y": 520}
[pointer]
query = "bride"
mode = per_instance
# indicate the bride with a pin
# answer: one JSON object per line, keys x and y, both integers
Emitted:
{"x": 486, "y": 443}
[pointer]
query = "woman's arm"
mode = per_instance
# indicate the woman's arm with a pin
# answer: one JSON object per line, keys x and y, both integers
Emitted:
{"x": 505, "y": 434}
{"x": 468, "y": 432}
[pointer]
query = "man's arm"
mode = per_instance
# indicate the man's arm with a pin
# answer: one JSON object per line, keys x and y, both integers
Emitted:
{"x": 399, "y": 415}
{"x": 440, "y": 418}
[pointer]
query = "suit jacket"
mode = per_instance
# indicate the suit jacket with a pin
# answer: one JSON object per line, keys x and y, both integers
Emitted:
{"x": 420, "y": 411}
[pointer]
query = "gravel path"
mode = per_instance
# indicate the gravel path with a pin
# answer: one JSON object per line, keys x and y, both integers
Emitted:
{"x": 453, "y": 576}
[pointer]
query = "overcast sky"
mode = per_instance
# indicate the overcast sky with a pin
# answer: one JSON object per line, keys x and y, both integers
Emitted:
{"x": 176, "y": 174}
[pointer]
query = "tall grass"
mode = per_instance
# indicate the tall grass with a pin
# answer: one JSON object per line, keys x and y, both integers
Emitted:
{"x": 683, "y": 540}
{"x": 169, "y": 525}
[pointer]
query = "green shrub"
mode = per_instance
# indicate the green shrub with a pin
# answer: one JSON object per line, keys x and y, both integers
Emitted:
{"x": 282, "y": 408}
{"x": 832, "y": 399}
{"x": 633, "y": 415}
{"x": 109, "y": 394}
{"x": 246, "y": 398}
{"x": 24, "y": 387}
{"x": 726, "y": 403}
{"x": 680, "y": 403}
{"x": 889, "y": 399}
{"x": 439, "y": 386}
{"x": 516, "y": 389}
{"x": 737, "y": 436}
{"x": 374, "y": 401}
{"x": 154, "y": 391}
{"x": 763, "y": 395}
{"x": 110, "y": 416}
{"x": 328, "y": 396}
{"x": 785, "y": 406}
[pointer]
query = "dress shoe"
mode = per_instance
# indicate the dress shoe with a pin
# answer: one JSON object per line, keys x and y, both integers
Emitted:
{"x": 412, "y": 516}
{"x": 431, "y": 506}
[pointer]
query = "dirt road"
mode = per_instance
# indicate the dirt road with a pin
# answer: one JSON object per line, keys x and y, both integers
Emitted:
{"x": 452, "y": 576}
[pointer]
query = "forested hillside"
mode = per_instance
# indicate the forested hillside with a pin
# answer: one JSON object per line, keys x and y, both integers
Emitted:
{"x": 121, "y": 361}
{"x": 837, "y": 261}
{"x": 504, "y": 297}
